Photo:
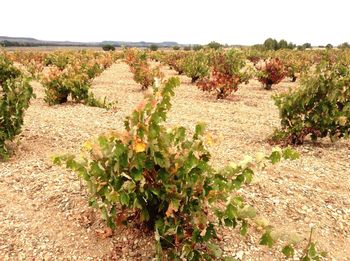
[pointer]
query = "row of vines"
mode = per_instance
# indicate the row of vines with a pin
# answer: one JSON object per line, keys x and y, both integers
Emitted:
{"x": 163, "y": 178}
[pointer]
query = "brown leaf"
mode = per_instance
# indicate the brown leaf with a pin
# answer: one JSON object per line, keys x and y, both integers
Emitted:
{"x": 104, "y": 233}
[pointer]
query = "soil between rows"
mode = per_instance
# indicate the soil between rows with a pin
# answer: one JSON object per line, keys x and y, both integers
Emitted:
{"x": 43, "y": 208}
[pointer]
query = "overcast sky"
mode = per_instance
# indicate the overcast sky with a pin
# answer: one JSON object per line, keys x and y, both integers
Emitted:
{"x": 185, "y": 21}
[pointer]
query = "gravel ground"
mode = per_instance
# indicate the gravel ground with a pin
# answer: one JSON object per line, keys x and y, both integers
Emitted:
{"x": 43, "y": 208}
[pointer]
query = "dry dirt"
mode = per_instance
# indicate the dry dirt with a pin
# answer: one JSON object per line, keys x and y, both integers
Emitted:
{"x": 43, "y": 208}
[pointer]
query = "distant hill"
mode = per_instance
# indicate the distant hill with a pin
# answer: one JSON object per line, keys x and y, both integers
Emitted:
{"x": 27, "y": 41}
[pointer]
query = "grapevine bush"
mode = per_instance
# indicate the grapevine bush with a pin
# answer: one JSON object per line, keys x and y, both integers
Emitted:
{"x": 143, "y": 73}
{"x": 229, "y": 70}
{"x": 34, "y": 62}
{"x": 70, "y": 75}
{"x": 320, "y": 106}
{"x": 295, "y": 63}
{"x": 176, "y": 61}
{"x": 196, "y": 65}
{"x": 271, "y": 72}
{"x": 59, "y": 85}
{"x": 15, "y": 94}
{"x": 161, "y": 178}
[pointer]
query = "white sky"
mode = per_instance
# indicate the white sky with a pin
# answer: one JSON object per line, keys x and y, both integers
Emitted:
{"x": 185, "y": 21}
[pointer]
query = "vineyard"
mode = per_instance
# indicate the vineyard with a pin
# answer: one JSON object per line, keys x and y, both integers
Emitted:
{"x": 206, "y": 154}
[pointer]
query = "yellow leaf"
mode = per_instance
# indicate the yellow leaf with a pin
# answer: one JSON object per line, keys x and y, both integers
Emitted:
{"x": 260, "y": 156}
{"x": 171, "y": 209}
{"x": 209, "y": 140}
{"x": 140, "y": 147}
{"x": 87, "y": 145}
{"x": 342, "y": 120}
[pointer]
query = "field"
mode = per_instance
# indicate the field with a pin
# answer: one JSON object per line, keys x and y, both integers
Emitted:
{"x": 43, "y": 208}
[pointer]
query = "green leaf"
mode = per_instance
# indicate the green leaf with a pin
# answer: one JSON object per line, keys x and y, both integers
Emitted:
{"x": 112, "y": 196}
{"x": 229, "y": 258}
{"x": 246, "y": 212}
{"x": 156, "y": 235}
{"x": 56, "y": 160}
{"x": 248, "y": 175}
{"x": 275, "y": 157}
{"x": 103, "y": 141}
{"x": 228, "y": 222}
{"x": 215, "y": 250}
{"x": 231, "y": 211}
{"x": 288, "y": 251}
{"x": 199, "y": 130}
{"x": 266, "y": 239}
{"x": 289, "y": 153}
{"x": 144, "y": 215}
{"x": 244, "y": 228}
{"x": 155, "y": 191}
{"x": 104, "y": 214}
{"x": 124, "y": 198}
{"x": 312, "y": 250}
{"x": 136, "y": 174}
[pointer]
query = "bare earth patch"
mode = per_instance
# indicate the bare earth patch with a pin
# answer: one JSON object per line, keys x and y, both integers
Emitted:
{"x": 43, "y": 208}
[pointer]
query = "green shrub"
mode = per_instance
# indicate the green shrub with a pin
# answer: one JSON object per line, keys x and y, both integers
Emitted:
{"x": 60, "y": 60}
{"x": 214, "y": 45}
{"x": 93, "y": 71}
{"x": 320, "y": 106}
{"x": 176, "y": 61}
{"x": 176, "y": 48}
{"x": 59, "y": 85}
{"x": 141, "y": 69}
{"x": 274, "y": 45}
{"x": 344, "y": 45}
{"x": 108, "y": 47}
{"x": 197, "y": 47}
{"x": 162, "y": 178}
{"x": 7, "y": 70}
{"x": 196, "y": 66}
{"x": 270, "y": 44}
{"x": 15, "y": 94}
{"x": 153, "y": 47}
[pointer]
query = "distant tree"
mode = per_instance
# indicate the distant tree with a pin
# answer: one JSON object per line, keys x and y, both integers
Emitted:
{"x": 307, "y": 45}
{"x": 153, "y": 47}
{"x": 329, "y": 46}
{"x": 214, "y": 45}
{"x": 197, "y": 47}
{"x": 282, "y": 44}
{"x": 258, "y": 47}
{"x": 291, "y": 45}
{"x": 271, "y": 44}
{"x": 176, "y": 47}
{"x": 187, "y": 48}
{"x": 344, "y": 45}
{"x": 108, "y": 47}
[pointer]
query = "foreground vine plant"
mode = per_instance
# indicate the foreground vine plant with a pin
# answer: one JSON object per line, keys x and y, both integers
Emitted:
{"x": 320, "y": 107}
{"x": 162, "y": 178}
{"x": 15, "y": 95}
